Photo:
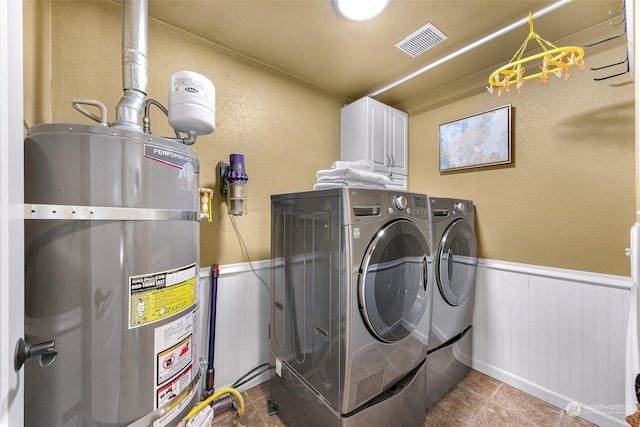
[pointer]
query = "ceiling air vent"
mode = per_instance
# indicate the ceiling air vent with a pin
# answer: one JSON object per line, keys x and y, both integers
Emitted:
{"x": 421, "y": 40}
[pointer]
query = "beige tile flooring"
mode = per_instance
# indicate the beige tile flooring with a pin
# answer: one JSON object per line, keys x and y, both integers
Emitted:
{"x": 478, "y": 401}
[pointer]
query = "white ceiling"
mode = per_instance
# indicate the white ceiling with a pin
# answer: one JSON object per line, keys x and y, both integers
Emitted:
{"x": 306, "y": 39}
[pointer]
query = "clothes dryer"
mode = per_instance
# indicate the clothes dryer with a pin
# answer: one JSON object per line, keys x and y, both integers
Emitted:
{"x": 455, "y": 260}
{"x": 350, "y": 307}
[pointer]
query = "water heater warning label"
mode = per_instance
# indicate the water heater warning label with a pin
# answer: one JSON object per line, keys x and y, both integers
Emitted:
{"x": 175, "y": 361}
{"x": 156, "y": 296}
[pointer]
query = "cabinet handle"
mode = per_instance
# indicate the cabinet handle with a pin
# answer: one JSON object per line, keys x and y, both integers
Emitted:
{"x": 393, "y": 161}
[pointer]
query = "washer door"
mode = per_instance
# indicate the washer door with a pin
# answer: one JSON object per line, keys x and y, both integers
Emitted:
{"x": 456, "y": 262}
{"x": 393, "y": 281}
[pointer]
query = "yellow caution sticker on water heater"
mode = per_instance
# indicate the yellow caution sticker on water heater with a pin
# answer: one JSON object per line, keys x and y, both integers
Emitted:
{"x": 156, "y": 296}
{"x": 175, "y": 365}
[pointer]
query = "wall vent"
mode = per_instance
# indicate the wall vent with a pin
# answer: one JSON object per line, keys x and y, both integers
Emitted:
{"x": 421, "y": 40}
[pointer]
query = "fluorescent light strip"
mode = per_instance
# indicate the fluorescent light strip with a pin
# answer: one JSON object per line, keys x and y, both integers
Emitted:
{"x": 471, "y": 46}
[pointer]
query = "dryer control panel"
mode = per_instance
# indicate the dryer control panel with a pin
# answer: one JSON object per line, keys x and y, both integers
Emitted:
{"x": 442, "y": 208}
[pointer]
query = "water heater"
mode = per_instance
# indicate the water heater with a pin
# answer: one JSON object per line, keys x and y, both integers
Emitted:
{"x": 112, "y": 256}
{"x": 111, "y": 270}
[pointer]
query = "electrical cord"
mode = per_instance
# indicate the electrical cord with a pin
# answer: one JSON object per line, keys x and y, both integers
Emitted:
{"x": 262, "y": 365}
{"x": 257, "y": 374}
{"x": 248, "y": 376}
{"x": 243, "y": 246}
{"x": 245, "y": 252}
{"x": 242, "y": 379}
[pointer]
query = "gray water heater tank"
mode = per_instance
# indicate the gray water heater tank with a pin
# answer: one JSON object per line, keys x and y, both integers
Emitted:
{"x": 111, "y": 272}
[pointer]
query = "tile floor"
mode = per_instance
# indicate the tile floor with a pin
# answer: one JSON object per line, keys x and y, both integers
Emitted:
{"x": 478, "y": 401}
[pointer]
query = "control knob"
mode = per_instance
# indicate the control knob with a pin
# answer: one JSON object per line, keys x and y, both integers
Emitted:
{"x": 400, "y": 202}
{"x": 459, "y": 207}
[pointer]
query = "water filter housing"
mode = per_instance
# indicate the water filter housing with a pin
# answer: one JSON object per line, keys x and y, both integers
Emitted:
{"x": 192, "y": 105}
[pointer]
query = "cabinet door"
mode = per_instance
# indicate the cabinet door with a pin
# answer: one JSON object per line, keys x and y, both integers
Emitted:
{"x": 378, "y": 138}
{"x": 398, "y": 141}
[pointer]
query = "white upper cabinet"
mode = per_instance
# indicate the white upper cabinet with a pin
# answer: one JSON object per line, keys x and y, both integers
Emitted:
{"x": 375, "y": 131}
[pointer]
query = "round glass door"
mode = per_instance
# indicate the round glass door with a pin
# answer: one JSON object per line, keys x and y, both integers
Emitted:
{"x": 456, "y": 262}
{"x": 393, "y": 281}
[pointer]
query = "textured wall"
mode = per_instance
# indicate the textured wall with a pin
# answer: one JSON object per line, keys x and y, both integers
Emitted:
{"x": 568, "y": 198}
{"x": 286, "y": 129}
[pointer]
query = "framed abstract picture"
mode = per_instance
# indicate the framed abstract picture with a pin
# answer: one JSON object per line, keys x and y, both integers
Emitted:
{"x": 483, "y": 139}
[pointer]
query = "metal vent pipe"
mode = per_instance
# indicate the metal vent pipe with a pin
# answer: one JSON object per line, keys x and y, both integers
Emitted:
{"x": 134, "y": 63}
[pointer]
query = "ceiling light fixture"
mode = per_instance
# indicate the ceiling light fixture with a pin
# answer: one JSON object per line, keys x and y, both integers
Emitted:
{"x": 359, "y": 10}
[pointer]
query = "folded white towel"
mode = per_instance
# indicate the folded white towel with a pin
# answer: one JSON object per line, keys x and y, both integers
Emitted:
{"x": 347, "y": 184}
{"x": 323, "y": 185}
{"x": 328, "y": 179}
{"x": 365, "y": 165}
{"x": 352, "y": 174}
{"x": 355, "y": 174}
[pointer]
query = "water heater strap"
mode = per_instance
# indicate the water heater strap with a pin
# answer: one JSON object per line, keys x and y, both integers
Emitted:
{"x": 103, "y": 213}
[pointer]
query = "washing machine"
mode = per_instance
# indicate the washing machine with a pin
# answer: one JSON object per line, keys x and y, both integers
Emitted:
{"x": 455, "y": 261}
{"x": 350, "y": 307}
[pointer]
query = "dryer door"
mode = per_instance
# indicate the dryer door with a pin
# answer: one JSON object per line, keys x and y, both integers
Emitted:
{"x": 456, "y": 262}
{"x": 393, "y": 281}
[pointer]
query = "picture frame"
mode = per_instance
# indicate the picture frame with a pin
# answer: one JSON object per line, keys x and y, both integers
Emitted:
{"x": 479, "y": 140}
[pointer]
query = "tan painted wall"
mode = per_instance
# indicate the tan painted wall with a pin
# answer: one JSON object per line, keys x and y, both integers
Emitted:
{"x": 567, "y": 199}
{"x": 37, "y": 62}
{"x": 286, "y": 129}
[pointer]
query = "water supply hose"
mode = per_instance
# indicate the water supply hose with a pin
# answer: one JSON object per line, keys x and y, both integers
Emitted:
{"x": 214, "y": 396}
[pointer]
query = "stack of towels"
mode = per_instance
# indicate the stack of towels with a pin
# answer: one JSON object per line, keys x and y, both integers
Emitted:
{"x": 356, "y": 174}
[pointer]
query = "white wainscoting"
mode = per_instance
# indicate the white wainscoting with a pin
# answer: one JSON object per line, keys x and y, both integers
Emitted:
{"x": 242, "y": 321}
{"x": 556, "y": 334}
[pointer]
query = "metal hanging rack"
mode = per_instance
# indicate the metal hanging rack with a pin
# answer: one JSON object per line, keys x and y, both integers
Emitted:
{"x": 623, "y": 12}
